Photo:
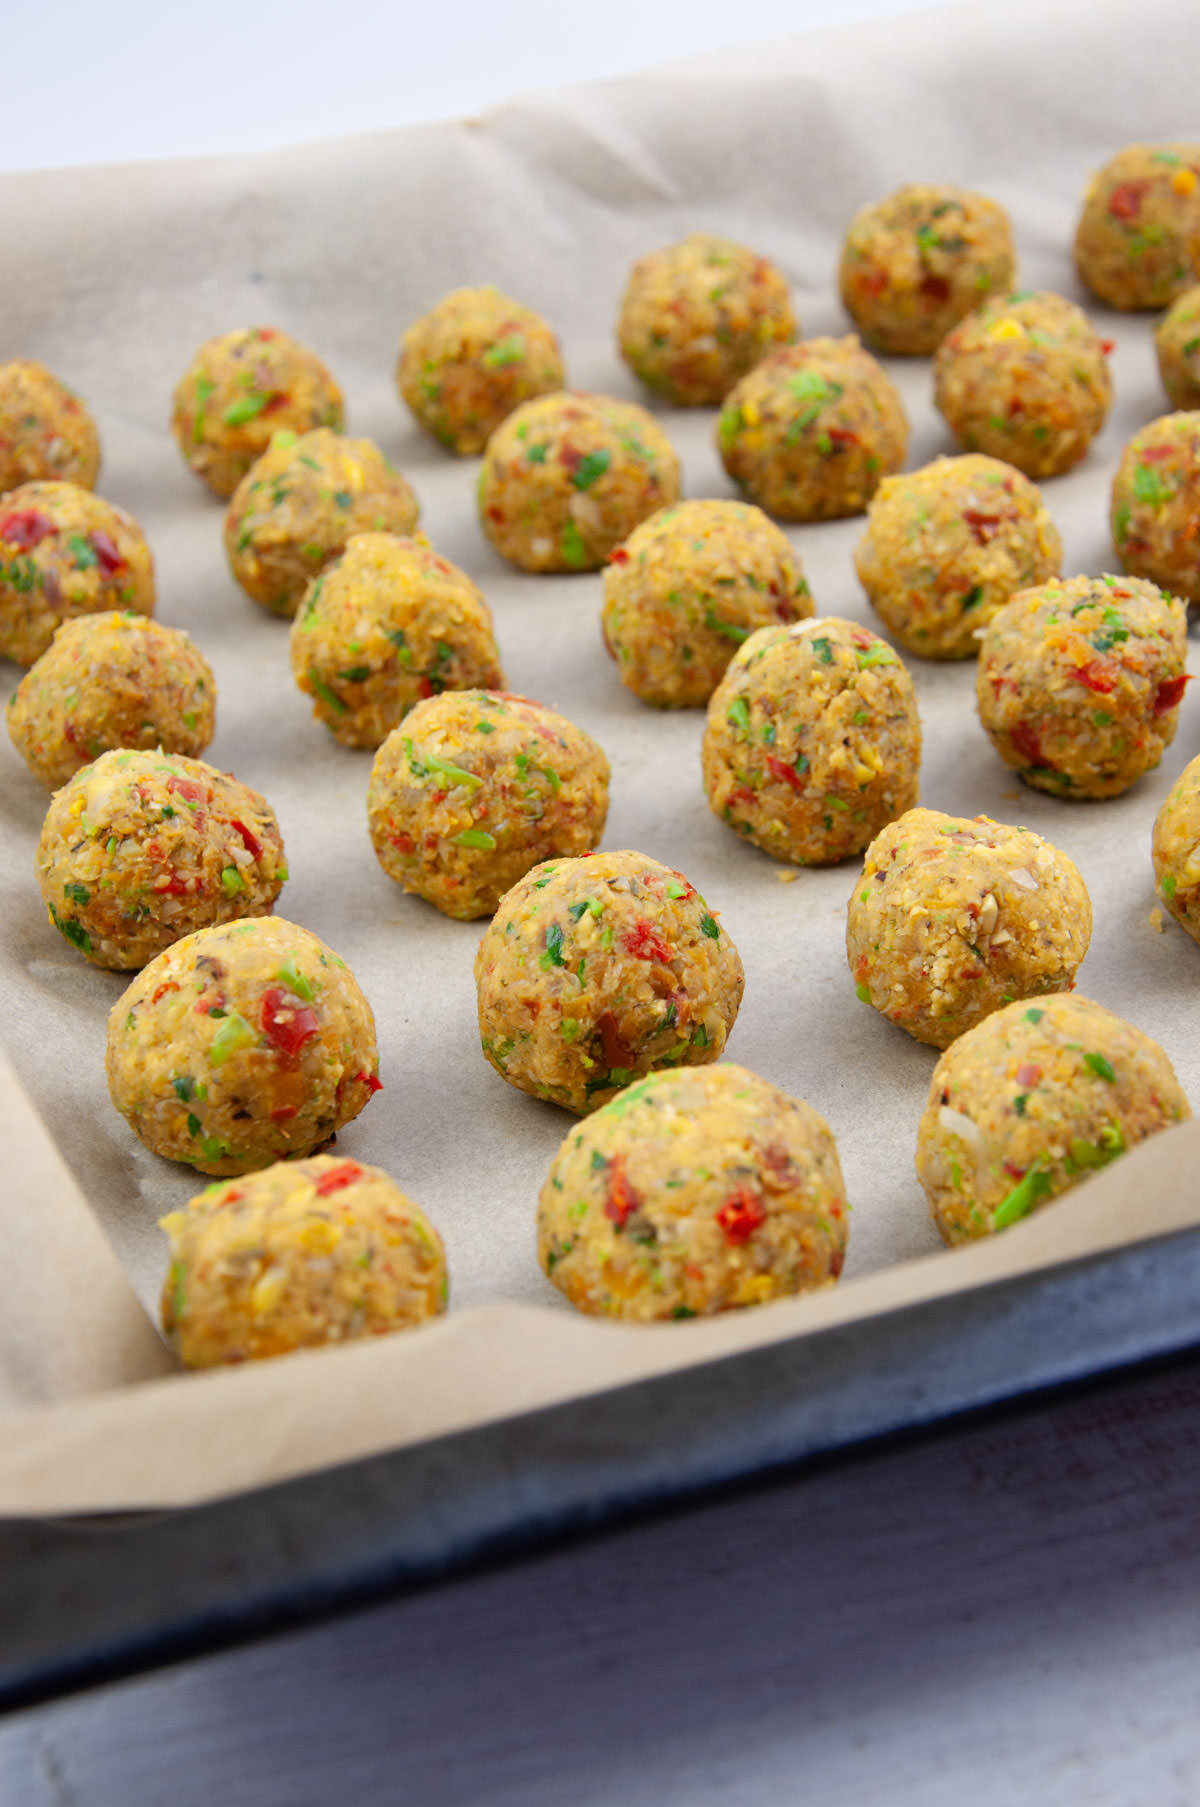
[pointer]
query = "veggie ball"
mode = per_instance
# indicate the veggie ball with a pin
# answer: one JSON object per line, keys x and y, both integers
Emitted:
{"x": 138, "y": 849}
{"x": 1177, "y": 346}
{"x": 46, "y": 433}
{"x": 693, "y": 1192}
{"x": 387, "y": 623}
{"x": 241, "y": 1045}
{"x": 1155, "y": 511}
{"x": 1175, "y": 850}
{"x": 813, "y": 430}
{"x": 915, "y": 263}
{"x": 297, "y": 508}
{"x": 698, "y": 315}
{"x": 113, "y": 680}
{"x": 476, "y": 788}
{"x": 567, "y": 477}
{"x": 466, "y": 364}
{"x": 1031, "y": 1101}
{"x": 945, "y": 546}
{"x": 240, "y": 390}
{"x": 1079, "y": 683}
{"x": 1024, "y": 378}
{"x": 301, "y": 1254}
{"x": 953, "y": 918}
{"x": 1138, "y": 239}
{"x": 813, "y": 741}
{"x": 597, "y": 970}
{"x": 65, "y": 552}
{"x": 687, "y": 587}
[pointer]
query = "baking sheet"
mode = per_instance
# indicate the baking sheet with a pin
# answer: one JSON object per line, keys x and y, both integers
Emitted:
{"x": 114, "y": 276}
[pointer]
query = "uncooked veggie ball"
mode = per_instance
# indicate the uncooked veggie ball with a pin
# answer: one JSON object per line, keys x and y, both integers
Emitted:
{"x": 813, "y": 741}
{"x": 1155, "y": 512}
{"x": 953, "y": 918}
{"x": 567, "y": 477}
{"x": 1025, "y": 378}
{"x": 914, "y": 263}
{"x": 388, "y": 622}
{"x": 812, "y": 431}
{"x": 1138, "y": 239}
{"x": 1177, "y": 345}
{"x": 1080, "y": 682}
{"x": 476, "y": 787}
{"x": 696, "y": 316}
{"x": 597, "y": 970}
{"x": 113, "y": 680}
{"x": 46, "y": 433}
{"x": 1175, "y": 850}
{"x": 241, "y": 1045}
{"x": 65, "y": 552}
{"x": 466, "y": 364}
{"x": 139, "y": 849}
{"x": 299, "y": 1255}
{"x": 687, "y": 587}
{"x": 693, "y": 1192}
{"x": 239, "y": 390}
{"x": 945, "y": 546}
{"x": 1031, "y": 1101}
{"x": 298, "y": 506}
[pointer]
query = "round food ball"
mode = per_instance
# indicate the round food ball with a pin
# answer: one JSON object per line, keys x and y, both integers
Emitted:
{"x": 567, "y": 477}
{"x": 301, "y": 1254}
{"x": 241, "y": 1045}
{"x": 65, "y": 552}
{"x": 242, "y": 388}
{"x": 1175, "y": 850}
{"x": 46, "y": 433}
{"x": 1031, "y": 1101}
{"x": 953, "y": 918}
{"x": 1025, "y": 378}
{"x": 915, "y": 263}
{"x": 693, "y": 1192}
{"x": 813, "y": 741}
{"x": 1177, "y": 345}
{"x": 945, "y": 546}
{"x": 1155, "y": 513}
{"x": 698, "y": 315}
{"x": 686, "y": 588}
{"x": 387, "y": 623}
{"x": 596, "y": 970}
{"x": 113, "y": 680}
{"x": 138, "y": 849}
{"x": 466, "y": 364}
{"x": 298, "y": 507}
{"x": 1079, "y": 683}
{"x": 1138, "y": 239}
{"x": 813, "y": 430}
{"x": 476, "y": 788}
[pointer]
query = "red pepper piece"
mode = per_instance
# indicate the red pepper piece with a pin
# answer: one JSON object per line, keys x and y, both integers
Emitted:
{"x": 278, "y": 400}
{"x": 164, "y": 988}
{"x": 107, "y": 556}
{"x": 1155, "y": 454}
{"x": 1100, "y": 675}
{"x": 188, "y": 789}
{"x": 283, "y": 1113}
{"x": 1108, "y": 346}
{"x": 644, "y": 942}
{"x": 1028, "y": 1073}
{"x": 251, "y": 841}
{"x": 1170, "y": 694}
{"x": 843, "y": 436}
{"x": 344, "y": 1174}
{"x": 286, "y": 1022}
{"x": 570, "y": 458}
{"x": 622, "y": 1200}
{"x": 26, "y": 528}
{"x": 618, "y": 556}
{"x": 786, "y": 774}
{"x": 741, "y": 1215}
{"x": 171, "y": 885}
{"x": 1025, "y": 740}
{"x": 403, "y": 843}
{"x": 616, "y": 1050}
{"x": 372, "y": 1082}
{"x": 984, "y": 527}
{"x": 1125, "y": 201}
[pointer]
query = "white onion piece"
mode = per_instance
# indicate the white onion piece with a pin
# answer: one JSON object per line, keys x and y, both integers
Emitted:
{"x": 958, "y": 1125}
{"x": 1023, "y": 878}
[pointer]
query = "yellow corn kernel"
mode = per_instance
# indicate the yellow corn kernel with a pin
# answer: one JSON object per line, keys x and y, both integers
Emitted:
{"x": 1183, "y": 181}
{"x": 267, "y": 1291}
{"x": 750, "y": 414}
{"x": 319, "y": 1236}
{"x": 754, "y": 1289}
{"x": 1007, "y": 329}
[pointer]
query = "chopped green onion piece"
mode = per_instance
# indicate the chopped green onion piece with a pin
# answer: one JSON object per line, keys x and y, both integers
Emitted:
{"x": 1024, "y": 1196}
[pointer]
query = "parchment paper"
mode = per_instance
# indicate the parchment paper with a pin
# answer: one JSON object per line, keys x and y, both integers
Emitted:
{"x": 114, "y": 276}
